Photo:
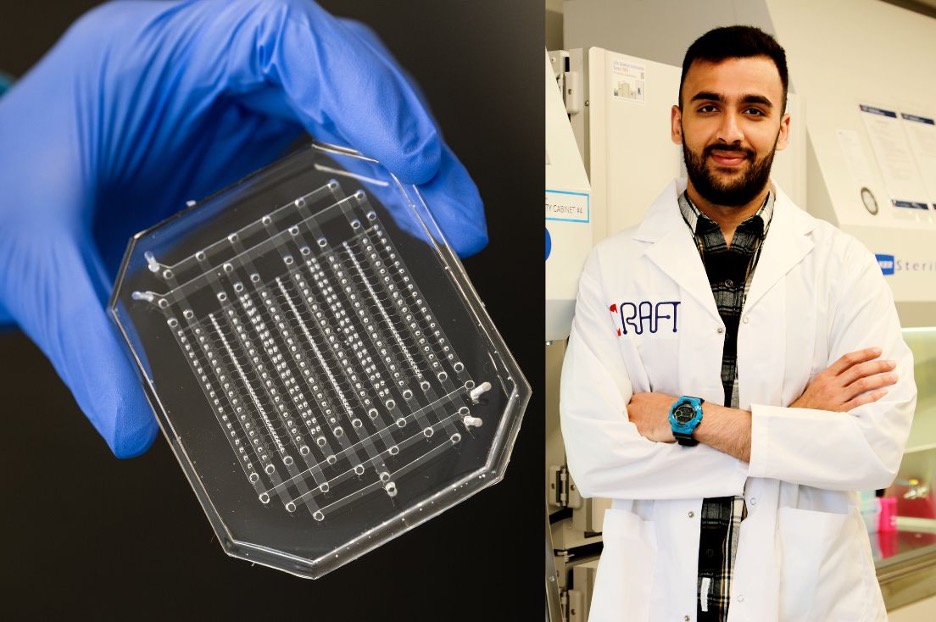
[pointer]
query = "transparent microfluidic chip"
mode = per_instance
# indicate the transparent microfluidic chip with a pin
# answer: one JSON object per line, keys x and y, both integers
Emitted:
{"x": 318, "y": 360}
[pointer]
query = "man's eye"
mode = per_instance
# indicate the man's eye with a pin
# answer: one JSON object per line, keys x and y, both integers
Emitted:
{"x": 707, "y": 108}
{"x": 755, "y": 112}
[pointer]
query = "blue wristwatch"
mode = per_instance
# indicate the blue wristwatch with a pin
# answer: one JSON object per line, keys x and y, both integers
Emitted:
{"x": 684, "y": 416}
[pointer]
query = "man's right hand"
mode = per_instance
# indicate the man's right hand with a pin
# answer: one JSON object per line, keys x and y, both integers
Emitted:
{"x": 857, "y": 378}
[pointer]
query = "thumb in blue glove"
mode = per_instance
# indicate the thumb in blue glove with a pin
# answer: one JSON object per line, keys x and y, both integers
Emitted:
{"x": 142, "y": 106}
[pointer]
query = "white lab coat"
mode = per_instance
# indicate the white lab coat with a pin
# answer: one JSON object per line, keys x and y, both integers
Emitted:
{"x": 803, "y": 552}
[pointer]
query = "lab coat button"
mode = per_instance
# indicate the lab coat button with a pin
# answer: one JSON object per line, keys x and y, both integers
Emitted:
{"x": 753, "y": 500}
{"x": 720, "y": 330}
{"x": 740, "y": 598}
{"x": 686, "y": 618}
{"x": 746, "y": 319}
{"x": 691, "y": 514}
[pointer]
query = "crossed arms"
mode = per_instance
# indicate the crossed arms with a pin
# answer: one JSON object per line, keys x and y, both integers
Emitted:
{"x": 855, "y": 379}
{"x": 844, "y": 431}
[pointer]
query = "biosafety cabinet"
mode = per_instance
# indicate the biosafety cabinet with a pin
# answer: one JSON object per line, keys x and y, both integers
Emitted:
{"x": 862, "y": 155}
{"x": 871, "y": 170}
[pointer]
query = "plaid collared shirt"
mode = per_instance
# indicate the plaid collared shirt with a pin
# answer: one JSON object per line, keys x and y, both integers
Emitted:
{"x": 729, "y": 270}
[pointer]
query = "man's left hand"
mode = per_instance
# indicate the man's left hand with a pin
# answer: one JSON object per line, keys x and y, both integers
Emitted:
{"x": 650, "y": 413}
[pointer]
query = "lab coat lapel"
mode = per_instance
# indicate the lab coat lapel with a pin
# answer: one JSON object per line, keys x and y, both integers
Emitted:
{"x": 673, "y": 250}
{"x": 785, "y": 246}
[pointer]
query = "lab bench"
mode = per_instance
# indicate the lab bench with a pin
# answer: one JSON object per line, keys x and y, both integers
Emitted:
{"x": 906, "y": 565}
{"x": 906, "y": 558}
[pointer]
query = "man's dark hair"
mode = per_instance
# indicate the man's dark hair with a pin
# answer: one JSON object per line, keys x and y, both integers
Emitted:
{"x": 727, "y": 42}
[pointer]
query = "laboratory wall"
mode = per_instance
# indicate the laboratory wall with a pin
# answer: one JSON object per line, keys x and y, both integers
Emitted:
{"x": 659, "y": 31}
{"x": 87, "y": 536}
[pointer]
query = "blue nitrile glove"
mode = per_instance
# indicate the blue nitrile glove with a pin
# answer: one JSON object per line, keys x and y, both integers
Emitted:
{"x": 142, "y": 106}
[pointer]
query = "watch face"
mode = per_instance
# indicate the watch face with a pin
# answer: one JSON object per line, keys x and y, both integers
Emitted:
{"x": 684, "y": 413}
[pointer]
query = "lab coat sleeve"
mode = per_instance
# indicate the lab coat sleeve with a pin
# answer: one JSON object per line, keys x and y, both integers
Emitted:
{"x": 856, "y": 450}
{"x": 606, "y": 455}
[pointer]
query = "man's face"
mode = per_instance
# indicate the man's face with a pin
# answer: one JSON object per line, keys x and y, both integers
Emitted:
{"x": 730, "y": 125}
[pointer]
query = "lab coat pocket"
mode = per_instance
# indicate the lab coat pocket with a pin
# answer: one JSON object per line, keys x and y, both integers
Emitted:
{"x": 625, "y": 571}
{"x": 821, "y": 569}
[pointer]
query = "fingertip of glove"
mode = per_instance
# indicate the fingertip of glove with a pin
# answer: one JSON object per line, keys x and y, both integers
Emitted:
{"x": 416, "y": 164}
{"x": 470, "y": 242}
{"x": 132, "y": 443}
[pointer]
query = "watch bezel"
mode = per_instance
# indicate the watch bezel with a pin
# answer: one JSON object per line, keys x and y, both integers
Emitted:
{"x": 683, "y": 430}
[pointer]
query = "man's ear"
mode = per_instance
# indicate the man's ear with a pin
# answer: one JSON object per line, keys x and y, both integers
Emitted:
{"x": 783, "y": 138}
{"x": 676, "y": 125}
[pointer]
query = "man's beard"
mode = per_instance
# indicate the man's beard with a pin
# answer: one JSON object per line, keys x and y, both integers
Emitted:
{"x": 734, "y": 193}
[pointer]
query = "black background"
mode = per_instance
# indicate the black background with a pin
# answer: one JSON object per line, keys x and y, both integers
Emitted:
{"x": 86, "y": 536}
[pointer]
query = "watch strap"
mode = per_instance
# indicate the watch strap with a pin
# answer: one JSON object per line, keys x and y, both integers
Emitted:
{"x": 686, "y": 440}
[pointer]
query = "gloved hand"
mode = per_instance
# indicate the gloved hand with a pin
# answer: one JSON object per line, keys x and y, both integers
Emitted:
{"x": 142, "y": 106}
